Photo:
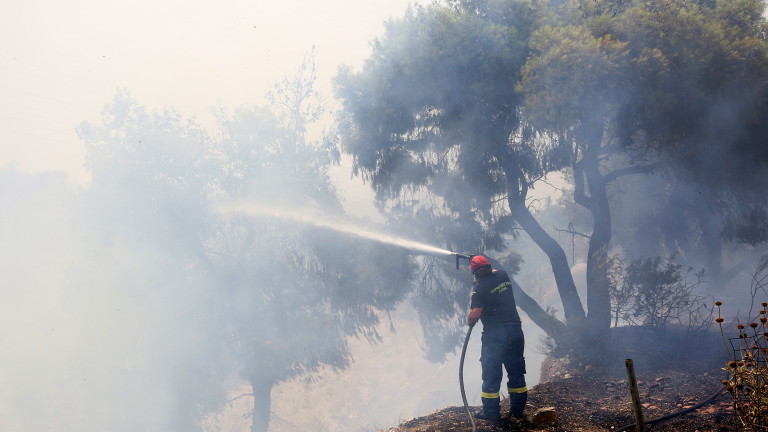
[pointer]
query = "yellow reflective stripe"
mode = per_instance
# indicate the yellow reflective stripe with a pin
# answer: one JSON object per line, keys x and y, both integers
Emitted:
{"x": 517, "y": 390}
{"x": 489, "y": 395}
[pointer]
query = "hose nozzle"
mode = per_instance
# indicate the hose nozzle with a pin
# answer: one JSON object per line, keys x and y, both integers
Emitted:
{"x": 458, "y": 256}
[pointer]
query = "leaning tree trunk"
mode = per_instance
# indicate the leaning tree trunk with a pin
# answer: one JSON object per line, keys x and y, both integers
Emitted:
{"x": 262, "y": 403}
{"x": 572, "y": 307}
{"x": 551, "y": 325}
{"x": 570, "y": 335}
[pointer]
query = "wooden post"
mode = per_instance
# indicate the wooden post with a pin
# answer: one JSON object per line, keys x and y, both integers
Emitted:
{"x": 638, "y": 410}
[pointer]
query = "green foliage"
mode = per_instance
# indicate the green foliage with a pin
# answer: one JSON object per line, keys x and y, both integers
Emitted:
{"x": 431, "y": 112}
{"x": 434, "y": 126}
{"x": 656, "y": 85}
{"x": 463, "y": 106}
{"x": 656, "y": 68}
{"x": 574, "y": 74}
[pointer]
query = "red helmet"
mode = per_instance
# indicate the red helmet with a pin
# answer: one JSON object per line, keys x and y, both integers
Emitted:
{"x": 478, "y": 261}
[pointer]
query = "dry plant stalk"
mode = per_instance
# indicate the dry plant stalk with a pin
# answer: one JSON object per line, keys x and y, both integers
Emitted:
{"x": 748, "y": 370}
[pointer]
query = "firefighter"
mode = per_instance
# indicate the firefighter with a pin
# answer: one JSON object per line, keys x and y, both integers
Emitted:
{"x": 493, "y": 303}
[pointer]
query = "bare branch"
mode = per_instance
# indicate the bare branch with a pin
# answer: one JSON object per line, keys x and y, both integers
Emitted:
{"x": 244, "y": 395}
{"x": 500, "y": 199}
{"x": 532, "y": 204}
{"x": 572, "y": 232}
{"x": 548, "y": 183}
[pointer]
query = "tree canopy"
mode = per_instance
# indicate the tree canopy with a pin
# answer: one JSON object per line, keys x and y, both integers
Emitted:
{"x": 458, "y": 131}
{"x": 279, "y": 297}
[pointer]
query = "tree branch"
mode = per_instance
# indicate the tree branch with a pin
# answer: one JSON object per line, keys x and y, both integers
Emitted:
{"x": 532, "y": 203}
{"x": 547, "y": 182}
{"x": 570, "y": 231}
{"x": 551, "y": 325}
{"x": 579, "y": 193}
{"x": 635, "y": 169}
{"x": 241, "y": 396}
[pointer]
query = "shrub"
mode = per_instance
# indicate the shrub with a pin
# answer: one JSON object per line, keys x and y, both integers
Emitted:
{"x": 748, "y": 370}
{"x": 748, "y": 366}
{"x": 656, "y": 293}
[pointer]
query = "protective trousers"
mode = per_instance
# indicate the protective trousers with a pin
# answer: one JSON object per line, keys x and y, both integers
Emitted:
{"x": 503, "y": 346}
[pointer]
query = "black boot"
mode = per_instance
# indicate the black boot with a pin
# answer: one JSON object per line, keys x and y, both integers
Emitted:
{"x": 517, "y": 404}
{"x": 482, "y": 415}
{"x": 491, "y": 408}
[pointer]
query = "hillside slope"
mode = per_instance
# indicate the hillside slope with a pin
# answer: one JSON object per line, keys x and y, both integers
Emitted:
{"x": 592, "y": 401}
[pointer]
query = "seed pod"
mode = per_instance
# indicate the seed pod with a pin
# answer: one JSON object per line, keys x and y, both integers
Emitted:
{"x": 763, "y": 319}
{"x": 764, "y": 304}
{"x": 732, "y": 364}
{"x": 740, "y": 364}
{"x": 754, "y": 347}
{"x": 719, "y": 320}
{"x": 729, "y": 387}
{"x": 725, "y": 382}
{"x": 762, "y": 311}
{"x": 753, "y": 325}
{"x": 740, "y": 326}
{"x": 718, "y": 303}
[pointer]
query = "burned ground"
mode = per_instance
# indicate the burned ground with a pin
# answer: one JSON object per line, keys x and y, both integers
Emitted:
{"x": 596, "y": 399}
{"x": 588, "y": 401}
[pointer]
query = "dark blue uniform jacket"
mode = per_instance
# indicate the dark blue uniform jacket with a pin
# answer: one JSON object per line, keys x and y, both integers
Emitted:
{"x": 493, "y": 293}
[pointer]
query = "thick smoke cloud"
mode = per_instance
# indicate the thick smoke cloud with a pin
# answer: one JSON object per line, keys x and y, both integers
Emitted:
{"x": 117, "y": 336}
{"x": 89, "y": 342}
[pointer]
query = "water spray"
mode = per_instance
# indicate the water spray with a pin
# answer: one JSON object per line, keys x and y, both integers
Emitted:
{"x": 322, "y": 221}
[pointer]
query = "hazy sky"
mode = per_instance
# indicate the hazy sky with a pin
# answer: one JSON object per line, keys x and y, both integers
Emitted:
{"x": 61, "y": 62}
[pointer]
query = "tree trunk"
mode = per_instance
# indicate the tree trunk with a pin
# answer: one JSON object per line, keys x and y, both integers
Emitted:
{"x": 262, "y": 403}
{"x": 598, "y": 283}
{"x": 572, "y": 307}
{"x": 590, "y": 192}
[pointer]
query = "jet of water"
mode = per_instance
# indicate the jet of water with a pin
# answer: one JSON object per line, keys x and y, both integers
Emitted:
{"x": 306, "y": 217}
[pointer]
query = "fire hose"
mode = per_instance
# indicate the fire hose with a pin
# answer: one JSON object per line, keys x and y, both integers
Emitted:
{"x": 464, "y": 353}
{"x": 709, "y": 399}
{"x": 461, "y": 376}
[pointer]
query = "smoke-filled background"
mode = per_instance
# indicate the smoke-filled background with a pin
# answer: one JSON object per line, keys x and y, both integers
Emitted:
{"x": 233, "y": 216}
{"x": 111, "y": 323}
